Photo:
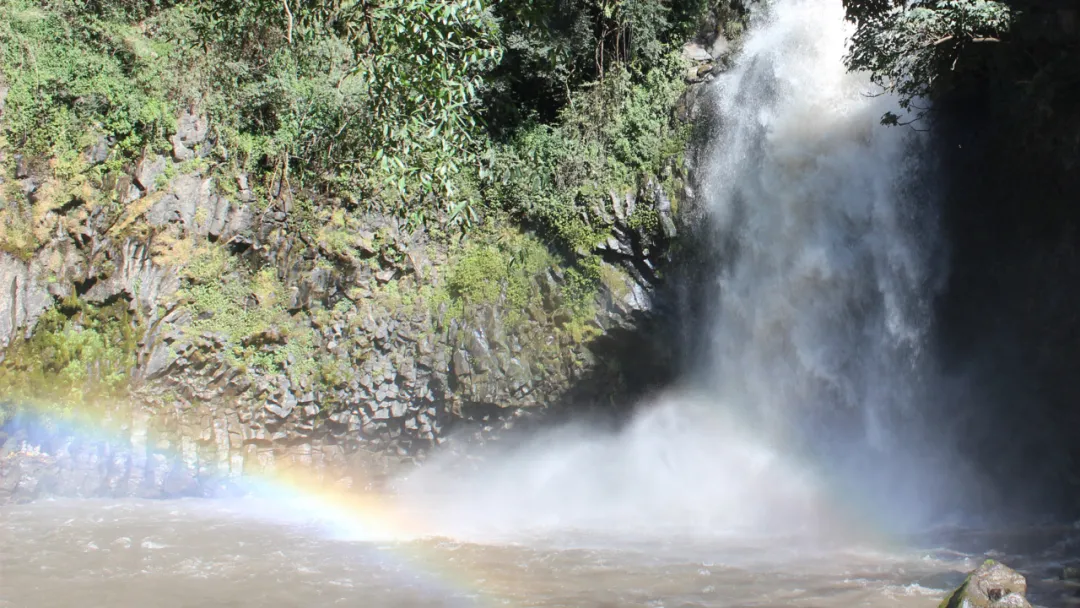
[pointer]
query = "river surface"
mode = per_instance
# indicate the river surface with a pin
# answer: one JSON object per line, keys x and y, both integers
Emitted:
{"x": 129, "y": 553}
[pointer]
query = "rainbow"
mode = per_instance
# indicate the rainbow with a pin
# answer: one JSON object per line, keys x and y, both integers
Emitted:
{"x": 395, "y": 535}
{"x": 398, "y": 536}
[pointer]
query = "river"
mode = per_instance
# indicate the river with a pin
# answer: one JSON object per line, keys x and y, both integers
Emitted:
{"x": 196, "y": 552}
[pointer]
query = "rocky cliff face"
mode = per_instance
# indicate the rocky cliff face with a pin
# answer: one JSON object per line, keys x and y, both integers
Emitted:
{"x": 226, "y": 329}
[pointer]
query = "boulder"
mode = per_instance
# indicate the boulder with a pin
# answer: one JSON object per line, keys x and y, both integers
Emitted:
{"x": 991, "y": 585}
{"x": 99, "y": 152}
{"x": 692, "y": 51}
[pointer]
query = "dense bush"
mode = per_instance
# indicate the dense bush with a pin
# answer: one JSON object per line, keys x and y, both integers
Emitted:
{"x": 380, "y": 103}
{"x": 553, "y": 175}
{"x": 553, "y": 47}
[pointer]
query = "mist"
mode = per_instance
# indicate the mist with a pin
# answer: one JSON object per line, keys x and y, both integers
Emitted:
{"x": 812, "y": 407}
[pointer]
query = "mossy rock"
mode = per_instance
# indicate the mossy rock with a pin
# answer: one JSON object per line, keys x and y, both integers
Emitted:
{"x": 991, "y": 585}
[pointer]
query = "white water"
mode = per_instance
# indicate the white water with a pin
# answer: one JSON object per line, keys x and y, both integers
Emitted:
{"x": 820, "y": 313}
{"x": 828, "y": 291}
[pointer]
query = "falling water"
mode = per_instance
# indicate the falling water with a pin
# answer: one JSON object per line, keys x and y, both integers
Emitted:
{"x": 823, "y": 310}
{"x": 804, "y": 408}
{"x": 826, "y": 297}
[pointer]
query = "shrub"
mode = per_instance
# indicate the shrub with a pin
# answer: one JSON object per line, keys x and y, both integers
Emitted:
{"x": 81, "y": 354}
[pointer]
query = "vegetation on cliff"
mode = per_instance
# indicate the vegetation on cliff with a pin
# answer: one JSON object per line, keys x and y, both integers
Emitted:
{"x": 398, "y": 105}
{"x": 501, "y": 131}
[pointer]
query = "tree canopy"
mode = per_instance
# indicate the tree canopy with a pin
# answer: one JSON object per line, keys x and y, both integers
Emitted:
{"x": 914, "y": 48}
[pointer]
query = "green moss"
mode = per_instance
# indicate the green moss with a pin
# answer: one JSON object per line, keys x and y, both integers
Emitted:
{"x": 208, "y": 264}
{"x": 16, "y": 233}
{"x": 957, "y": 598}
{"x": 435, "y": 296}
{"x": 76, "y": 354}
{"x": 338, "y": 241}
{"x": 615, "y": 281}
{"x": 334, "y": 372}
{"x": 479, "y": 275}
{"x": 389, "y": 296}
{"x": 245, "y": 310}
{"x": 498, "y": 267}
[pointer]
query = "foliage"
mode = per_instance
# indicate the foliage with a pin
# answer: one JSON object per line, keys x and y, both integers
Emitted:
{"x": 499, "y": 268}
{"x": 76, "y": 354}
{"x": 381, "y": 104}
{"x": 553, "y": 47}
{"x": 554, "y": 176}
{"x": 67, "y": 70}
{"x": 911, "y": 47}
{"x": 476, "y": 276}
{"x": 16, "y": 230}
{"x": 352, "y": 90}
{"x": 245, "y": 311}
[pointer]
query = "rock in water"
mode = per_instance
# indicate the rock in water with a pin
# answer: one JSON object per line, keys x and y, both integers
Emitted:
{"x": 991, "y": 585}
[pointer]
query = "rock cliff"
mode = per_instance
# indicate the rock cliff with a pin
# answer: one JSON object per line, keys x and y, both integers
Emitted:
{"x": 221, "y": 330}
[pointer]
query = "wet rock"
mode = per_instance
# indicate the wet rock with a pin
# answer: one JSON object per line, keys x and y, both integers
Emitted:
{"x": 991, "y": 585}
{"x": 283, "y": 406}
{"x": 137, "y": 277}
{"x": 218, "y": 219}
{"x": 699, "y": 73}
{"x": 663, "y": 207}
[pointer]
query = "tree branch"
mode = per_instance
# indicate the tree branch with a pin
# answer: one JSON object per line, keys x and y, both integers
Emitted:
{"x": 288, "y": 12}
{"x": 945, "y": 39}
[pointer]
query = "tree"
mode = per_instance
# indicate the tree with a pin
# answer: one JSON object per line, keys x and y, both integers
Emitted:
{"x": 356, "y": 87}
{"x": 913, "y": 49}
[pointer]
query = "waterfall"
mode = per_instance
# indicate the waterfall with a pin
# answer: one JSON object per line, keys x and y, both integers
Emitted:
{"x": 812, "y": 382}
{"x": 822, "y": 312}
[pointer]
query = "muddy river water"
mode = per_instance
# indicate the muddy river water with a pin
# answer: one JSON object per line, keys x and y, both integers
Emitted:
{"x": 194, "y": 552}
